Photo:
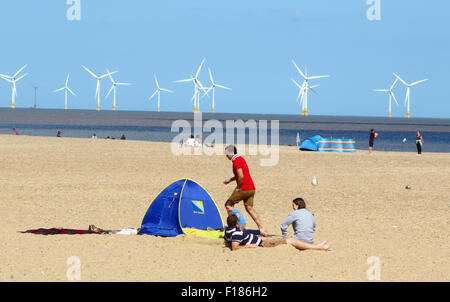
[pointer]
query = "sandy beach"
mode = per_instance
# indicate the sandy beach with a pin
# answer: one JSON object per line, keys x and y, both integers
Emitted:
{"x": 360, "y": 204}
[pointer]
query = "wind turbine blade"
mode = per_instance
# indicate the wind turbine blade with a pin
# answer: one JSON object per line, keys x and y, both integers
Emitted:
{"x": 393, "y": 96}
{"x": 154, "y": 94}
{"x": 418, "y": 82}
{"x": 401, "y": 80}
{"x": 68, "y": 89}
{"x": 110, "y": 76}
{"x": 210, "y": 76}
{"x": 223, "y": 87}
{"x": 296, "y": 84}
{"x": 123, "y": 84}
{"x": 107, "y": 75}
{"x": 311, "y": 88}
{"x": 92, "y": 74}
{"x": 201, "y": 86}
{"x": 300, "y": 92}
{"x": 318, "y": 77}
{"x": 166, "y": 90}
{"x": 298, "y": 69}
{"x": 60, "y": 89}
{"x": 395, "y": 82}
{"x": 381, "y": 90}
{"x": 67, "y": 80}
{"x": 183, "y": 81}
{"x": 20, "y": 70}
{"x": 110, "y": 90}
{"x": 156, "y": 82}
{"x": 20, "y": 78}
{"x": 4, "y": 76}
{"x": 200, "y": 68}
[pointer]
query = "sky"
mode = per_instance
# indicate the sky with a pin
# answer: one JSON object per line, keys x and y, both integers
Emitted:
{"x": 249, "y": 46}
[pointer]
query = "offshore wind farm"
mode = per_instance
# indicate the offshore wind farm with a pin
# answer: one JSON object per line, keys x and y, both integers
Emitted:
{"x": 199, "y": 88}
{"x": 338, "y": 112}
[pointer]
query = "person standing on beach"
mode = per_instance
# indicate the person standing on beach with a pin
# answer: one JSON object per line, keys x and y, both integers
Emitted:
{"x": 15, "y": 131}
{"x": 245, "y": 188}
{"x": 419, "y": 142}
{"x": 372, "y": 137}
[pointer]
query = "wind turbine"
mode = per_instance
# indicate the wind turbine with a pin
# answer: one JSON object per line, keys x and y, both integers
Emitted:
{"x": 408, "y": 93}
{"x": 213, "y": 88}
{"x": 113, "y": 88}
{"x": 35, "y": 94}
{"x": 391, "y": 96}
{"x": 13, "y": 80}
{"x": 158, "y": 92}
{"x": 97, "y": 91}
{"x": 66, "y": 90}
{"x": 304, "y": 92}
{"x": 197, "y": 86}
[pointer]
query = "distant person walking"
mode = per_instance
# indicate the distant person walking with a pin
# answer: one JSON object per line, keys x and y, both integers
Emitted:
{"x": 245, "y": 188}
{"x": 58, "y": 134}
{"x": 15, "y": 131}
{"x": 372, "y": 137}
{"x": 94, "y": 136}
{"x": 419, "y": 143}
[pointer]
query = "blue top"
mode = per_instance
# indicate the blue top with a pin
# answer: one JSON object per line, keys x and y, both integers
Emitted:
{"x": 241, "y": 217}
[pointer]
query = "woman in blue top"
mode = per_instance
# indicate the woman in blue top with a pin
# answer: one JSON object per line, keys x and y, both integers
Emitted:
{"x": 229, "y": 206}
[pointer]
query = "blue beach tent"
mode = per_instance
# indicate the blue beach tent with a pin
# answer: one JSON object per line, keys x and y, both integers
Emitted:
{"x": 311, "y": 144}
{"x": 184, "y": 207}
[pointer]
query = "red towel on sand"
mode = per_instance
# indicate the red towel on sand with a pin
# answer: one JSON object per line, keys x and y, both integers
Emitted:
{"x": 60, "y": 231}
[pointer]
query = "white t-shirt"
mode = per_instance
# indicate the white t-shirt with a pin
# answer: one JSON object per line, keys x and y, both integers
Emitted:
{"x": 190, "y": 142}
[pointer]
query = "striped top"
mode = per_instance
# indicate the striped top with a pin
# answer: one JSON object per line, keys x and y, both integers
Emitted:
{"x": 244, "y": 237}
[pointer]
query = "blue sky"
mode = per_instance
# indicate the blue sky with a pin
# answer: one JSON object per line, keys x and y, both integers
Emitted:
{"x": 249, "y": 46}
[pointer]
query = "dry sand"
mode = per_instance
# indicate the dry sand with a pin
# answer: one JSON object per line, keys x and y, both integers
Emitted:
{"x": 360, "y": 204}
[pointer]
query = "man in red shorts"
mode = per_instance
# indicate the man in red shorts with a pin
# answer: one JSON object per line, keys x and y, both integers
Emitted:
{"x": 245, "y": 188}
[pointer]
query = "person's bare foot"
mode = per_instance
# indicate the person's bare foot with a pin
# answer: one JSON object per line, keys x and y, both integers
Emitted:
{"x": 95, "y": 229}
{"x": 325, "y": 245}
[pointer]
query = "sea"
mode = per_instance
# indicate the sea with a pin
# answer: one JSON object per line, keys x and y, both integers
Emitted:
{"x": 395, "y": 134}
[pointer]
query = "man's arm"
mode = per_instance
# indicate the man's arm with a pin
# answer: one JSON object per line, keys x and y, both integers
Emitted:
{"x": 235, "y": 246}
{"x": 240, "y": 178}
{"x": 227, "y": 181}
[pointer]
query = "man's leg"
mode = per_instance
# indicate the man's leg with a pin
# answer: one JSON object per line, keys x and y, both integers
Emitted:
{"x": 250, "y": 210}
{"x": 300, "y": 245}
{"x": 248, "y": 202}
{"x": 274, "y": 242}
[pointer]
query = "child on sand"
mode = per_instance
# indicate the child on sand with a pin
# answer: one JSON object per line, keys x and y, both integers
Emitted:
{"x": 229, "y": 206}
